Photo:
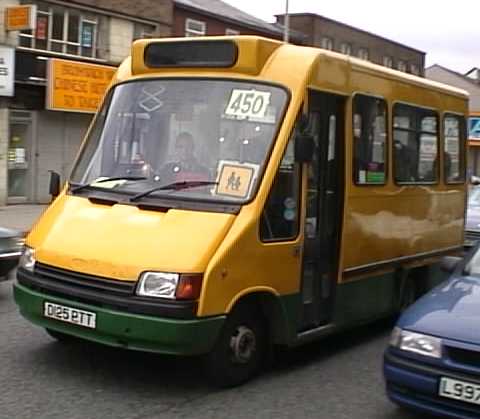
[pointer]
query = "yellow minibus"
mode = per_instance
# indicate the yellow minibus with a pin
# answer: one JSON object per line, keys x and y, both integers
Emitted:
{"x": 237, "y": 193}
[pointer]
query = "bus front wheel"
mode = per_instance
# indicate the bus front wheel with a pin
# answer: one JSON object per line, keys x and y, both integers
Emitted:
{"x": 239, "y": 351}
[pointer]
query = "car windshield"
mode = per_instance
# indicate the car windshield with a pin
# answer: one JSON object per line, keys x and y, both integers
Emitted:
{"x": 212, "y": 137}
{"x": 474, "y": 197}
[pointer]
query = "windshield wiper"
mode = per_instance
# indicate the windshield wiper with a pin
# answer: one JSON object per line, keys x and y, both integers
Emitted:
{"x": 174, "y": 186}
{"x": 108, "y": 179}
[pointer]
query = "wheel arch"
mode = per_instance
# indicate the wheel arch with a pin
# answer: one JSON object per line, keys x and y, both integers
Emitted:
{"x": 270, "y": 304}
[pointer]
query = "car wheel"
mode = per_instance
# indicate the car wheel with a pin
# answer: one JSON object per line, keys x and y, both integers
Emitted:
{"x": 240, "y": 348}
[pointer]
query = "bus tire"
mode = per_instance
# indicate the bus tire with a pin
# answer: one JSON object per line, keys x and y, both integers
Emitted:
{"x": 60, "y": 337}
{"x": 240, "y": 349}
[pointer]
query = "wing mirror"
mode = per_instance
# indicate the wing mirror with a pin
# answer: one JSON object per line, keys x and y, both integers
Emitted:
{"x": 54, "y": 188}
{"x": 304, "y": 148}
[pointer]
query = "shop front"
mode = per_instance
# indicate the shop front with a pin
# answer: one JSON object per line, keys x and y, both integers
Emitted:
{"x": 48, "y": 116}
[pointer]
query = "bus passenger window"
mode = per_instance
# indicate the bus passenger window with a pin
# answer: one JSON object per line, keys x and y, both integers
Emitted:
{"x": 453, "y": 149}
{"x": 370, "y": 138}
{"x": 415, "y": 144}
{"x": 280, "y": 215}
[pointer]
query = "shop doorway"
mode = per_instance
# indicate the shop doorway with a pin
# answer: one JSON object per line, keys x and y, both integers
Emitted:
{"x": 21, "y": 157}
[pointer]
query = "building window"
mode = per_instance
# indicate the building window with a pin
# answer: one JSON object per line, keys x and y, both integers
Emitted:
{"x": 346, "y": 48}
{"x": 142, "y": 31}
{"x": 66, "y": 31}
{"x": 327, "y": 43}
{"x": 363, "y": 53}
{"x": 387, "y": 61}
{"x": 370, "y": 139}
{"x": 402, "y": 66}
{"x": 454, "y": 149}
{"x": 232, "y": 32}
{"x": 415, "y": 138}
{"x": 414, "y": 69}
{"x": 195, "y": 27}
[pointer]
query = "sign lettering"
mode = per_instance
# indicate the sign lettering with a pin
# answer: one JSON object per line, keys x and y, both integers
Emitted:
{"x": 19, "y": 18}
{"x": 474, "y": 127}
{"x": 76, "y": 87}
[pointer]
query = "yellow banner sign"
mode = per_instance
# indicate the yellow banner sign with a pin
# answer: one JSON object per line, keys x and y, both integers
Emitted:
{"x": 75, "y": 86}
{"x": 19, "y": 18}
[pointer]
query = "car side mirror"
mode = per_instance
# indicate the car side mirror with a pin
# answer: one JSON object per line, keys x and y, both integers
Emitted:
{"x": 304, "y": 148}
{"x": 54, "y": 188}
{"x": 449, "y": 263}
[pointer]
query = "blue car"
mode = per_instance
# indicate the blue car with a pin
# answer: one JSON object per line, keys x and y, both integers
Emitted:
{"x": 432, "y": 363}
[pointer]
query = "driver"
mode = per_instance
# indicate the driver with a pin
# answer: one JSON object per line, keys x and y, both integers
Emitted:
{"x": 185, "y": 166}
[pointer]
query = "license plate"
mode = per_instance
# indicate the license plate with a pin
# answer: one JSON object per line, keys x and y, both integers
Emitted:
{"x": 459, "y": 390}
{"x": 70, "y": 315}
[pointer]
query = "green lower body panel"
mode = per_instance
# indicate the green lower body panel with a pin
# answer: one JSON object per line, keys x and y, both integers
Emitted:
{"x": 126, "y": 330}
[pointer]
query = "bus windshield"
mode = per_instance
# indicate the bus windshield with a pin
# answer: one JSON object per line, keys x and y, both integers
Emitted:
{"x": 212, "y": 136}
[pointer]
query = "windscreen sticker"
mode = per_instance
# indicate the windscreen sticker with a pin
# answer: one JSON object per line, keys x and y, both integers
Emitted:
{"x": 235, "y": 179}
{"x": 108, "y": 184}
{"x": 150, "y": 101}
{"x": 248, "y": 104}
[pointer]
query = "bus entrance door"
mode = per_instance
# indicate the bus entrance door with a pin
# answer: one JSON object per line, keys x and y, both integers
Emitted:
{"x": 324, "y": 208}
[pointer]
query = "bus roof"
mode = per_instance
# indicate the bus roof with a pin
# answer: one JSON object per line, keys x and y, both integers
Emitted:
{"x": 247, "y": 54}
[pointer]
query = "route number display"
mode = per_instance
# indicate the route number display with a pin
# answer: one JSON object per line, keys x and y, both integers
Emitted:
{"x": 248, "y": 104}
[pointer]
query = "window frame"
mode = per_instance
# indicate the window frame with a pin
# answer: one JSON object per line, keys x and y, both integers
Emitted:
{"x": 464, "y": 137}
{"x": 298, "y": 168}
{"x": 387, "y": 141}
{"x": 363, "y": 54}
{"x": 64, "y": 43}
{"x": 346, "y": 48}
{"x": 327, "y": 43}
{"x": 387, "y": 61}
{"x": 231, "y": 32}
{"x": 193, "y": 32}
{"x": 414, "y": 69}
{"x": 417, "y": 132}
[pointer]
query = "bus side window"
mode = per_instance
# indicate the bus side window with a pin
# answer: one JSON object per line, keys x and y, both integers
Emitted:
{"x": 370, "y": 138}
{"x": 280, "y": 217}
{"x": 415, "y": 144}
{"x": 453, "y": 149}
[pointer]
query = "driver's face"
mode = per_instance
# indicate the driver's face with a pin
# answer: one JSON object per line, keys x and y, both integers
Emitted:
{"x": 183, "y": 149}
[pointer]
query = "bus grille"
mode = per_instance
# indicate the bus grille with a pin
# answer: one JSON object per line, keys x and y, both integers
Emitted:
{"x": 81, "y": 280}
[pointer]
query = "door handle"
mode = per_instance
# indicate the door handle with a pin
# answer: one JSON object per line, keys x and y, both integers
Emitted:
{"x": 296, "y": 251}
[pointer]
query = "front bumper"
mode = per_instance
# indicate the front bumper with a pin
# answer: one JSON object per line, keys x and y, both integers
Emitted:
{"x": 123, "y": 329}
{"x": 415, "y": 385}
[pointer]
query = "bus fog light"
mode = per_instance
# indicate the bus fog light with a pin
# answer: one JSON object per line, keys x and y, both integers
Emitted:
{"x": 158, "y": 284}
{"x": 27, "y": 260}
{"x": 417, "y": 343}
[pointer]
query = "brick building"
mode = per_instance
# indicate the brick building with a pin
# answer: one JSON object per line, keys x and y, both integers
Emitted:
{"x": 214, "y": 17}
{"x": 329, "y": 34}
{"x": 37, "y": 134}
{"x": 471, "y": 83}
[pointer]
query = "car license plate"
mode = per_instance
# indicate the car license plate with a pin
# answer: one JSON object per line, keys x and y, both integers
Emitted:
{"x": 459, "y": 390}
{"x": 70, "y": 315}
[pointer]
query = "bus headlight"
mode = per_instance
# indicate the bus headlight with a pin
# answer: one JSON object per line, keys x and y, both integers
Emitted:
{"x": 157, "y": 284}
{"x": 170, "y": 285}
{"x": 416, "y": 342}
{"x": 27, "y": 260}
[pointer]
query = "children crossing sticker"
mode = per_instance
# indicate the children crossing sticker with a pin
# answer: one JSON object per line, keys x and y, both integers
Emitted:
{"x": 235, "y": 179}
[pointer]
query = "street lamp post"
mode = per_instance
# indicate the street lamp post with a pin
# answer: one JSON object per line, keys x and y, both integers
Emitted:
{"x": 286, "y": 28}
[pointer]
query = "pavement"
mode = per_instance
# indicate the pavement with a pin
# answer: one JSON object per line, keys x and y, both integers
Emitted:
{"x": 20, "y": 217}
